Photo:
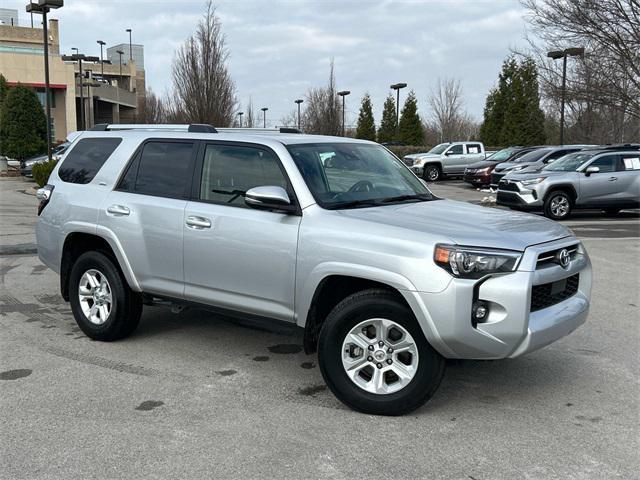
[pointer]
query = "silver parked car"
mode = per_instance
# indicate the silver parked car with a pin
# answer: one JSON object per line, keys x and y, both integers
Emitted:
{"x": 445, "y": 159}
{"x": 384, "y": 279}
{"x": 607, "y": 179}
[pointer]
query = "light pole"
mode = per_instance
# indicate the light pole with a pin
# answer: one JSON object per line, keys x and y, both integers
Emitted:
{"x": 43, "y": 7}
{"x": 102, "y": 44}
{"x": 397, "y": 87}
{"x": 79, "y": 58}
{"x": 74, "y": 48}
{"x": 240, "y": 118}
{"x": 555, "y": 55}
{"x": 343, "y": 94}
{"x": 130, "y": 46}
{"x": 264, "y": 117}
{"x": 299, "y": 101}
{"x": 120, "y": 53}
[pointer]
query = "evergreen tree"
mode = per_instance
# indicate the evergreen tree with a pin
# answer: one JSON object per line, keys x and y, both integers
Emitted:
{"x": 366, "y": 128}
{"x": 4, "y": 89}
{"x": 23, "y": 125}
{"x": 410, "y": 130}
{"x": 387, "y": 130}
{"x": 512, "y": 113}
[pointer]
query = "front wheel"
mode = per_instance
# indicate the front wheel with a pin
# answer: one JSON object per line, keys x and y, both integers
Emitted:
{"x": 374, "y": 356}
{"x": 431, "y": 173}
{"x": 557, "y": 205}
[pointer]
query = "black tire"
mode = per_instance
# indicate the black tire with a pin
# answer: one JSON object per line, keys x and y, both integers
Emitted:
{"x": 368, "y": 304}
{"x": 126, "y": 307}
{"x": 550, "y": 209}
{"x": 432, "y": 173}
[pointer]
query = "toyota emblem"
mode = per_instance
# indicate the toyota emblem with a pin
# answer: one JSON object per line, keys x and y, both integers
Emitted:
{"x": 563, "y": 258}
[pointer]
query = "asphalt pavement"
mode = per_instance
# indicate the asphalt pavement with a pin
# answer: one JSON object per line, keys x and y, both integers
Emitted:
{"x": 194, "y": 395}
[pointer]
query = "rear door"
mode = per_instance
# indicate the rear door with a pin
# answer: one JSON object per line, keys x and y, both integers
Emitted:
{"x": 602, "y": 188}
{"x": 628, "y": 174}
{"x": 146, "y": 212}
{"x": 453, "y": 159}
{"x": 237, "y": 257}
{"x": 473, "y": 154}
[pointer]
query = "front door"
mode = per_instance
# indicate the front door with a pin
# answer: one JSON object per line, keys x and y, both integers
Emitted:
{"x": 453, "y": 161}
{"x": 598, "y": 189}
{"x": 237, "y": 257}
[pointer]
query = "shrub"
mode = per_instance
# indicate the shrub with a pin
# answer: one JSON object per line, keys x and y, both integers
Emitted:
{"x": 42, "y": 171}
{"x": 23, "y": 125}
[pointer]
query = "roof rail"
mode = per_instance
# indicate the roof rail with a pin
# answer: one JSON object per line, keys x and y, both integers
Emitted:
{"x": 258, "y": 130}
{"x": 194, "y": 127}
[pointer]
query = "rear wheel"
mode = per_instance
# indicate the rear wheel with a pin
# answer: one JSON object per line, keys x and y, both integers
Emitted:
{"x": 431, "y": 173}
{"x": 104, "y": 306}
{"x": 558, "y": 205}
{"x": 374, "y": 356}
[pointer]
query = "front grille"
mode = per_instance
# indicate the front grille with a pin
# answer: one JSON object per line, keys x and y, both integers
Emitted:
{"x": 547, "y": 258}
{"x": 548, "y": 294}
{"x": 409, "y": 161}
{"x": 508, "y": 186}
{"x": 496, "y": 177}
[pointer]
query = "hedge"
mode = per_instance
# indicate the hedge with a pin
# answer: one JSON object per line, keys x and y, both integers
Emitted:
{"x": 42, "y": 171}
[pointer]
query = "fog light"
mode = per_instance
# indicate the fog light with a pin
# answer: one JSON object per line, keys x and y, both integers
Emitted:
{"x": 479, "y": 311}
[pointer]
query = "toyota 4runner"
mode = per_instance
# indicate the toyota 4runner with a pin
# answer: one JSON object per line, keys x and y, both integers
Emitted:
{"x": 385, "y": 279}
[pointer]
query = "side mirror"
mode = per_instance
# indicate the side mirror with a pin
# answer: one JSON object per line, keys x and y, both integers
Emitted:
{"x": 590, "y": 170}
{"x": 269, "y": 198}
{"x": 448, "y": 152}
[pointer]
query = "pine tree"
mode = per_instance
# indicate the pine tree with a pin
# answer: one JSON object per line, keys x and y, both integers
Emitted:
{"x": 23, "y": 125}
{"x": 366, "y": 128}
{"x": 4, "y": 89}
{"x": 410, "y": 130}
{"x": 387, "y": 130}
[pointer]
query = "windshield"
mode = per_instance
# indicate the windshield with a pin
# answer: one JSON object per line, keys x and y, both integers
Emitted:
{"x": 502, "y": 155}
{"x": 533, "y": 156}
{"x": 438, "y": 149}
{"x": 568, "y": 163}
{"x": 351, "y": 175}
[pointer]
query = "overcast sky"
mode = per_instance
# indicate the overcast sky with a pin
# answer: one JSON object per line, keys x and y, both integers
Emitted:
{"x": 280, "y": 48}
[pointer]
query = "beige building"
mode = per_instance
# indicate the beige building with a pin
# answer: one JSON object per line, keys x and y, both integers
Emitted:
{"x": 111, "y": 94}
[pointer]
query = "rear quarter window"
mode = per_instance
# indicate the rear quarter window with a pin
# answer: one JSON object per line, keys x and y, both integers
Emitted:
{"x": 85, "y": 160}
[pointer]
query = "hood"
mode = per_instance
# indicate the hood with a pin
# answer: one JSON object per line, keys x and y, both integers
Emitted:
{"x": 483, "y": 164}
{"x": 533, "y": 174}
{"x": 465, "y": 224}
{"x": 419, "y": 155}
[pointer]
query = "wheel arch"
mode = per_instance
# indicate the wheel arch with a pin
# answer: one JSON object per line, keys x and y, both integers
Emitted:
{"x": 563, "y": 187}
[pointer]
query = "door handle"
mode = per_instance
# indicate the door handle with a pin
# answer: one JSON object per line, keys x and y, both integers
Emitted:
{"x": 118, "y": 210}
{"x": 198, "y": 223}
{"x": 613, "y": 179}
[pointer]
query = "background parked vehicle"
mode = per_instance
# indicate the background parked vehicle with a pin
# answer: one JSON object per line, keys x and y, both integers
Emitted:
{"x": 479, "y": 173}
{"x": 538, "y": 158}
{"x": 606, "y": 179}
{"x": 26, "y": 166}
{"x": 445, "y": 159}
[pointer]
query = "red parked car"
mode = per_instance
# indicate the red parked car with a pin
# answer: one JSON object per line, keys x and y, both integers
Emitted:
{"x": 479, "y": 174}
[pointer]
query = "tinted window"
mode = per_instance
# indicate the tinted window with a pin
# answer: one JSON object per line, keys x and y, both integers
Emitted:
{"x": 532, "y": 156}
{"x": 605, "y": 164}
{"x": 557, "y": 154}
{"x": 228, "y": 171}
{"x": 86, "y": 158}
{"x": 165, "y": 169}
{"x": 455, "y": 150}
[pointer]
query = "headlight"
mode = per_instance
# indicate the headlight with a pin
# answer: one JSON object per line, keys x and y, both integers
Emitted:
{"x": 515, "y": 169}
{"x": 533, "y": 181}
{"x": 483, "y": 170}
{"x": 470, "y": 262}
{"x": 419, "y": 161}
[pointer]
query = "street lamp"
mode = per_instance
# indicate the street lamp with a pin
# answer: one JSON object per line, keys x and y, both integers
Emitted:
{"x": 120, "y": 53}
{"x": 79, "y": 58}
{"x": 343, "y": 94}
{"x": 130, "y": 48}
{"x": 555, "y": 55}
{"x": 397, "y": 87}
{"x": 43, "y": 7}
{"x": 264, "y": 117}
{"x": 240, "y": 118}
{"x": 102, "y": 44}
{"x": 74, "y": 48}
{"x": 299, "y": 101}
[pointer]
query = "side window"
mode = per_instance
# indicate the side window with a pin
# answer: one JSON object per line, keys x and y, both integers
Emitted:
{"x": 557, "y": 154}
{"x": 473, "y": 148}
{"x": 228, "y": 171}
{"x": 85, "y": 159}
{"x": 164, "y": 169}
{"x": 630, "y": 162}
{"x": 605, "y": 164}
{"x": 455, "y": 150}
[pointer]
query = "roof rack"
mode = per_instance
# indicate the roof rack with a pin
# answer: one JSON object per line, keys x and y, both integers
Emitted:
{"x": 258, "y": 131}
{"x": 194, "y": 127}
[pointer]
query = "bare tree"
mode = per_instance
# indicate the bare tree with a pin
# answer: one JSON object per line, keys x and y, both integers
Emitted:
{"x": 153, "y": 109}
{"x": 322, "y": 114}
{"x": 250, "y": 117}
{"x": 448, "y": 117}
{"x": 603, "y": 88}
{"x": 203, "y": 89}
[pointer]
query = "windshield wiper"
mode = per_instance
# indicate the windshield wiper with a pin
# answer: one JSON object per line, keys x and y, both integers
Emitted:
{"x": 419, "y": 197}
{"x": 370, "y": 202}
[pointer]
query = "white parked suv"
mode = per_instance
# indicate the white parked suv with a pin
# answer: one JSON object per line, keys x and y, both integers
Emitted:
{"x": 384, "y": 279}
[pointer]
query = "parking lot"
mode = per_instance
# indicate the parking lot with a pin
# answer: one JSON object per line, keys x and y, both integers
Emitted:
{"x": 193, "y": 395}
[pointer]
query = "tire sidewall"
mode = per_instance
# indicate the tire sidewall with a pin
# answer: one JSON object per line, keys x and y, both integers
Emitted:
{"x": 332, "y": 335}
{"x": 100, "y": 262}
{"x": 428, "y": 168}
{"x": 547, "y": 208}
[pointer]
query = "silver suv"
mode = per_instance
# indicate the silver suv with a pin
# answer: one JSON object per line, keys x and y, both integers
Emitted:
{"x": 606, "y": 179}
{"x": 384, "y": 279}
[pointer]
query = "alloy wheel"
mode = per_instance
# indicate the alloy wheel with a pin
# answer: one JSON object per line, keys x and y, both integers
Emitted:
{"x": 559, "y": 206}
{"x": 96, "y": 299}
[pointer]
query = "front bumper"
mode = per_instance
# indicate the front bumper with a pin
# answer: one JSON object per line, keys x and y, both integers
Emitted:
{"x": 514, "y": 194}
{"x": 511, "y": 329}
{"x": 418, "y": 170}
{"x": 477, "y": 178}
